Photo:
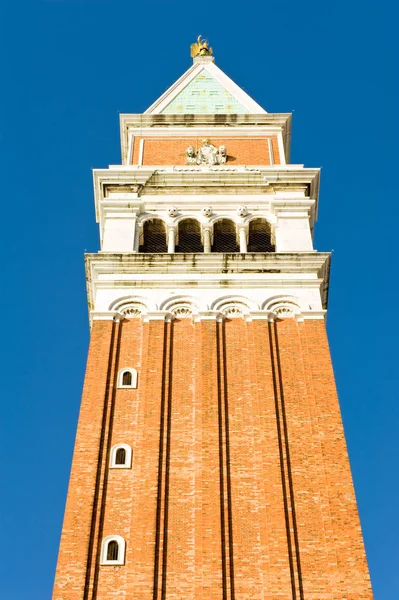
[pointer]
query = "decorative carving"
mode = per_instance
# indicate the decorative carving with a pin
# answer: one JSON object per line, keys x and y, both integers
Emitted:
{"x": 207, "y": 211}
{"x": 208, "y": 154}
{"x": 282, "y": 306}
{"x": 132, "y": 311}
{"x": 172, "y": 211}
{"x": 191, "y": 157}
{"x": 284, "y": 311}
{"x": 222, "y": 154}
{"x": 232, "y": 312}
{"x": 200, "y": 48}
{"x": 182, "y": 312}
{"x": 242, "y": 211}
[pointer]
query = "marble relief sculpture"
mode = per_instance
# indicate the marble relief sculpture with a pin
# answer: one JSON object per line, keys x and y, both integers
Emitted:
{"x": 191, "y": 156}
{"x": 207, "y": 211}
{"x": 172, "y": 211}
{"x": 242, "y": 211}
{"x": 222, "y": 155}
{"x": 208, "y": 154}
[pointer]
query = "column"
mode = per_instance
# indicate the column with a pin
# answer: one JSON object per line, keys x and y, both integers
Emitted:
{"x": 207, "y": 240}
{"x": 243, "y": 240}
{"x": 171, "y": 241}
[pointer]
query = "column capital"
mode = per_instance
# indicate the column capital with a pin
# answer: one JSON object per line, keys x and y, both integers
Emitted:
{"x": 209, "y": 315}
{"x": 259, "y": 315}
{"x": 157, "y": 315}
{"x": 105, "y": 315}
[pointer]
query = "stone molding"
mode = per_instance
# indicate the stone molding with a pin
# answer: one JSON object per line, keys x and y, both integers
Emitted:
{"x": 224, "y": 307}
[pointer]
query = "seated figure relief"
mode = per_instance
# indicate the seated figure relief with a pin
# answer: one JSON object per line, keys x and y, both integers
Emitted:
{"x": 208, "y": 154}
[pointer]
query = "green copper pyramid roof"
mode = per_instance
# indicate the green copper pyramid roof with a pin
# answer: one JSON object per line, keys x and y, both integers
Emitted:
{"x": 204, "y": 95}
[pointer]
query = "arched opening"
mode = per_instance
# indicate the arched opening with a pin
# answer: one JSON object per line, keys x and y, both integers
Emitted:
{"x": 127, "y": 378}
{"x": 112, "y": 550}
{"x": 154, "y": 234}
{"x": 224, "y": 237}
{"x": 189, "y": 236}
{"x": 260, "y": 236}
{"x": 120, "y": 457}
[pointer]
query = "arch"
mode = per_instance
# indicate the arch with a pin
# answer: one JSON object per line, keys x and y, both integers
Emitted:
{"x": 189, "y": 236}
{"x": 127, "y": 378}
{"x": 154, "y": 236}
{"x": 225, "y": 236}
{"x": 234, "y": 306}
{"x": 113, "y": 549}
{"x": 117, "y": 453}
{"x": 132, "y": 306}
{"x": 183, "y": 306}
{"x": 267, "y": 216}
{"x": 120, "y": 456}
{"x": 260, "y": 236}
{"x": 282, "y": 306}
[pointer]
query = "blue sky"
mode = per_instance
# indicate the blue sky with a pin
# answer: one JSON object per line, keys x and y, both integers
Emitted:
{"x": 69, "y": 67}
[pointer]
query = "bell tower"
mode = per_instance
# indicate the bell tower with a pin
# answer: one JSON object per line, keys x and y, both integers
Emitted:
{"x": 210, "y": 457}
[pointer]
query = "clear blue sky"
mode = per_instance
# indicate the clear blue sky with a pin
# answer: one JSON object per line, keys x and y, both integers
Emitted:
{"x": 68, "y": 68}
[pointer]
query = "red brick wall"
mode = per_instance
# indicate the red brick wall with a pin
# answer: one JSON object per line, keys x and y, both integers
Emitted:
{"x": 172, "y": 151}
{"x": 240, "y": 481}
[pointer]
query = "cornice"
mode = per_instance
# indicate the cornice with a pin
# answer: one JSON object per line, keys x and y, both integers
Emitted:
{"x": 168, "y": 120}
{"x": 285, "y": 270}
{"x": 186, "y": 180}
{"x": 304, "y": 262}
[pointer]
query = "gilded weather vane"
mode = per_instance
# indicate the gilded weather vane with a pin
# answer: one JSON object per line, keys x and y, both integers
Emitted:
{"x": 200, "y": 48}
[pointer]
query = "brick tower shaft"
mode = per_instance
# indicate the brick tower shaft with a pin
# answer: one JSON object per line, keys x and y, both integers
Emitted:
{"x": 210, "y": 458}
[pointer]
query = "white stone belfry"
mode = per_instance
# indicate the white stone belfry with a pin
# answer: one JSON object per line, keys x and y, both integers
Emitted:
{"x": 206, "y": 205}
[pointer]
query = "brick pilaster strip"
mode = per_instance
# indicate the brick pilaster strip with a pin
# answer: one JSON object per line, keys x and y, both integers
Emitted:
{"x": 285, "y": 465}
{"x": 78, "y": 541}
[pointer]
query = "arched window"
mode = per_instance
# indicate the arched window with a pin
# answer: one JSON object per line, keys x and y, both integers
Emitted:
{"x": 189, "y": 236}
{"x": 260, "y": 236}
{"x": 113, "y": 550}
{"x": 120, "y": 457}
{"x": 225, "y": 237}
{"x": 154, "y": 237}
{"x": 127, "y": 378}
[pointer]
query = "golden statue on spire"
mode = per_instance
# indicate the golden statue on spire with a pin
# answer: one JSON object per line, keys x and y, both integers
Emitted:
{"x": 200, "y": 48}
